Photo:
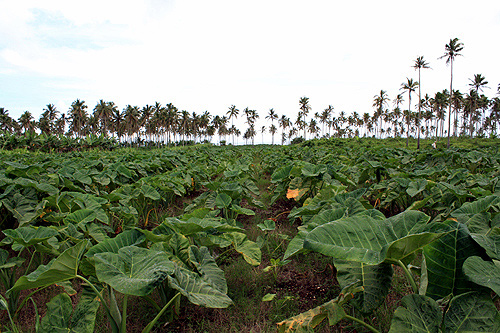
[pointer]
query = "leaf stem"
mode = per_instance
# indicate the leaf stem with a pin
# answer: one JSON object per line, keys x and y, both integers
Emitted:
{"x": 408, "y": 276}
{"x": 359, "y": 321}
{"x": 123, "y": 328}
{"x": 114, "y": 324}
{"x": 148, "y": 328}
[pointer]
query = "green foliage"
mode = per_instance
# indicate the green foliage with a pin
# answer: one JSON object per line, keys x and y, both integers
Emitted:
{"x": 100, "y": 217}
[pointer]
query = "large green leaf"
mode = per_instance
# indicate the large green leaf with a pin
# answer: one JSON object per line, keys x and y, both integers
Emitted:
{"x": 133, "y": 270}
{"x": 375, "y": 280}
{"x": 63, "y": 268}
{"x": 81, "y": 216}
{"x": 471, "y": 312}
{"x": 491, "y": 244}
{"x": 416, "y": 313}
{"x": 371, "y": 241}
{"x": 61, "y": 318}
{"x": 296, "y": 245}
{"x": 197, "y": 290}
{"x": 443, "y": 261}
{"x": 126, "y": 238}
{"x": 28, "y": 236}
{"x": 25, "y": 210}
{"x": 469, "y": 209}
{"x": 483, "y": 273}
{"x": 250, "y": 250}
{"x": 207, "y": 267}
{"x": 415, "y": 187}
{"x": 223, "y": 200}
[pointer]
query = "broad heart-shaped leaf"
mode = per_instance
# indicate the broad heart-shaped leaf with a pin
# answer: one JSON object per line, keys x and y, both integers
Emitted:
{"x": 197, "y": 290}
{"x": 471, "y": 312}
{"x": 223, "y": 200}
{"x": 296, "y": 245}
{"x": 59, "y": 316}
{"x": 415, "y": 187}
{"x": 250, "y": 250}
{"x": 243, "y": 211}
{"x": 490, "y": 244}
{"x": 133, "y": 270}
{"x": 469, "y": 209}
{"x": 81, "y": 216}
{"x": 150, "y": 192}
{"x": 267, "y": 225}
{"x": 207, "y": 267}
{"x": 371, "y": 241}
{"x": 416, "y": 313}
{"x": 126, "y": 238}
{"x": 63, "y": 268}
{"x": 375, "y": 280}
{"x": 483, "y": 273}
{"x": 28, "y": 236}
{"x": 23, "y": 209}
{"x": 444, "y": 259}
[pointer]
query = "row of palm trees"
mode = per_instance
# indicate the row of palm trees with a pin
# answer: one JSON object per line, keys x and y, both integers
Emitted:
{"x": 472, "y": 113}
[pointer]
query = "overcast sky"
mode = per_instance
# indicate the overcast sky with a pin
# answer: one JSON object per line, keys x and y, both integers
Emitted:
{"x": 206, "y": 55}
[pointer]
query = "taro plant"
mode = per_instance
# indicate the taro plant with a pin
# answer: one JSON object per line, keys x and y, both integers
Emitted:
{"x": 126, "y": 265}
{"x": 454, "y": 263}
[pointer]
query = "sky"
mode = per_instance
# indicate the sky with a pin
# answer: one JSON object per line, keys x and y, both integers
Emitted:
{"x": 208, "y": 55}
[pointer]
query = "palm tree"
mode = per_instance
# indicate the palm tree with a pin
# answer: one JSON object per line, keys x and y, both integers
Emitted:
{"x": 233, "y": 113}
{"x": 284, "y": 123}
{"x": 452, "y": 50}
{"x": 262, "y": 131}
{"x": 6, "y": 122}
{"x": 409, "y": 86}
{"x": 379, "y": 101}
{"x": 60, "y": 124}
{"x": 272, "y": 116}
{"x": 132, "y": 120}
{"x": 78, "y": 118}
{"x": 304, "y": 111}
{"x": 103, "y": 112}
{"x": 458, "y": 100}
{"x": 419, "y": 64}
{"x": 478, "y": 84}
{"x": 27, "y": 122}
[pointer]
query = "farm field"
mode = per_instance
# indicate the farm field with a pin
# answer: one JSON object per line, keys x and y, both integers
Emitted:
{"x": 343, "y": 235}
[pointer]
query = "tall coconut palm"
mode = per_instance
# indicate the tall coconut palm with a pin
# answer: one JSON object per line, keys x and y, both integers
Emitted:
{"x": 132, "y": 120}
{"x": 232, "y": 113}
{"x": 78, "y": 118}
{"x": 478, "y": 84}
{"x": 60, "y": 124}
{"x": 452, "y": 50}
{"x": 409, "y": 86}
{"x": 272, "y": 116}
{"x": 284, "y": 123}
{"x": 418, "y": 65}
{"x": 6, "y": 122}
{"x": 103, "y": 111}
{"x": 458, "y": 101}
{"x": 304, "y": 111}
{"x": 379, "y": 102}
{"x": 27, "y": 122}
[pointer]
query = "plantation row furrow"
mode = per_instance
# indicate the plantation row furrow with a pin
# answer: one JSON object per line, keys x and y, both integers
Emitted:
{"x": 162, "y": 225}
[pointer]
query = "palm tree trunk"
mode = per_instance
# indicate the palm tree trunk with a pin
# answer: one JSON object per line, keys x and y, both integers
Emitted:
{"x": 449, "y": 112}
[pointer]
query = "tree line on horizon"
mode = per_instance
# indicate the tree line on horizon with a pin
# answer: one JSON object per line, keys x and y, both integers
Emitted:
{"x": 469, "y": 114}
